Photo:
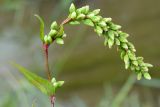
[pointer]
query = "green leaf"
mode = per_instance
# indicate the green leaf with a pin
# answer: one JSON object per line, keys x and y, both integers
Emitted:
{"x": 147, "y": 76}
{"x": 41, "y": 27}
{"x": 72, "y": 8}
{"x": 43, "y": 85}
{"x": 88, "y": 22}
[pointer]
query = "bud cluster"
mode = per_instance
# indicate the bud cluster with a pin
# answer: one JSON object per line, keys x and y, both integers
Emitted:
{"x": 56, "y": 33}
{"x": 56, "y": 84}
{"x": 113, "y": 35}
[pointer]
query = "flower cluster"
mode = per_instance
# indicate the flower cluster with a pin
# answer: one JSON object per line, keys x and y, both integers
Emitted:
{"x": 56, "y": 33}
{"x": 113, "y": 35}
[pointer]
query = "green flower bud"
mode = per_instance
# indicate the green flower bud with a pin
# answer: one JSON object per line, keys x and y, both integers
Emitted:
{"x": 54, "y": 25}
{"x": 60, "y": 83}
{"x": 107, "y": 19}
{"x": 59, "y": 41}
{"x": 99, "y": 30}
{"x": 90, "y": 15}
{"x": 72, "y": 8}
{"x": 52, "y": 33}
{"x": 81, "y": 16}
{"x": 46, "y": 39}
{"x": 102, "y": 23}
{"x": 49, "y": 39}
{"x": 147, "y": 76}
{"x": 95, "y": 12}
{"x": 53, "y": 80}
{"x": 96, "y": 18}
{"x": 73, "y": 15}
{"x": 139, "y": 76}
{"x": 124, "y": 46}
{"x": 64, "y": 35}
{"x": 85, "y": 9}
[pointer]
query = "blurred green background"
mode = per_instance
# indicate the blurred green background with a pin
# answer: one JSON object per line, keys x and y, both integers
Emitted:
{"x": 94, "y": 75}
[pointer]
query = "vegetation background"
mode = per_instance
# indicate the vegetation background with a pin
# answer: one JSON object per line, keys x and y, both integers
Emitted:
{"x": 94, "y": 75}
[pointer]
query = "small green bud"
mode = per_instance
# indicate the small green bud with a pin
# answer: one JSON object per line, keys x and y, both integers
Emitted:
{"x": 107, "y": 19}
{"x": 99, "y": 30}
{"x": 102, "y": 23}
{"x": 111, "y": 34}
{"x": 46, "y": 39}
{"x": 148, "y": 65}
{"x": 139, "y": 76}
{"x": 49, "y": 39}
{"x": 90, "y": 15}
{"x": 53, "y": 80}
{"x": 135, "y": 63}
{"x": 72, "y": 8}
{"x": 81, "y": 16}
{"x": 64, "y": 35}
{"x": 52, "y": 33}
{"x": 60, "y": 83}
{"x": 88, "y": 22}
{"x": 147, "y": 76}
{"x": 59, "y": 41}
{"x": 55, "y": 84}
{"x": 126, "y": 60}
{"x": 96, "y": 18}
{"x": 124, "y": 46}
{"x": 95, "y": 12}
{"x": 54, "y": 25}
{"x": 73, "y": 15}
{"x": 123, "y": 39}
{"x": 85, "y": 9}
{"x": 110, "y": 42}
{"x": 115, "y": 27}
{"x": 117, "y": 42}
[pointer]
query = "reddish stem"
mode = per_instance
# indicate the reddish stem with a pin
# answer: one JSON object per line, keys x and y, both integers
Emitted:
{"x": 48, "y": 73}
{"x": 45, "y": 48}
{"x": 52, "y": 99}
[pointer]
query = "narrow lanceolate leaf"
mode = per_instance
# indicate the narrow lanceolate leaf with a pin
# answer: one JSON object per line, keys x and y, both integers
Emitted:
{"x": 88, "y": 22}
{"x": 42, "y": 84}
{"x": 41, "y": 27}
